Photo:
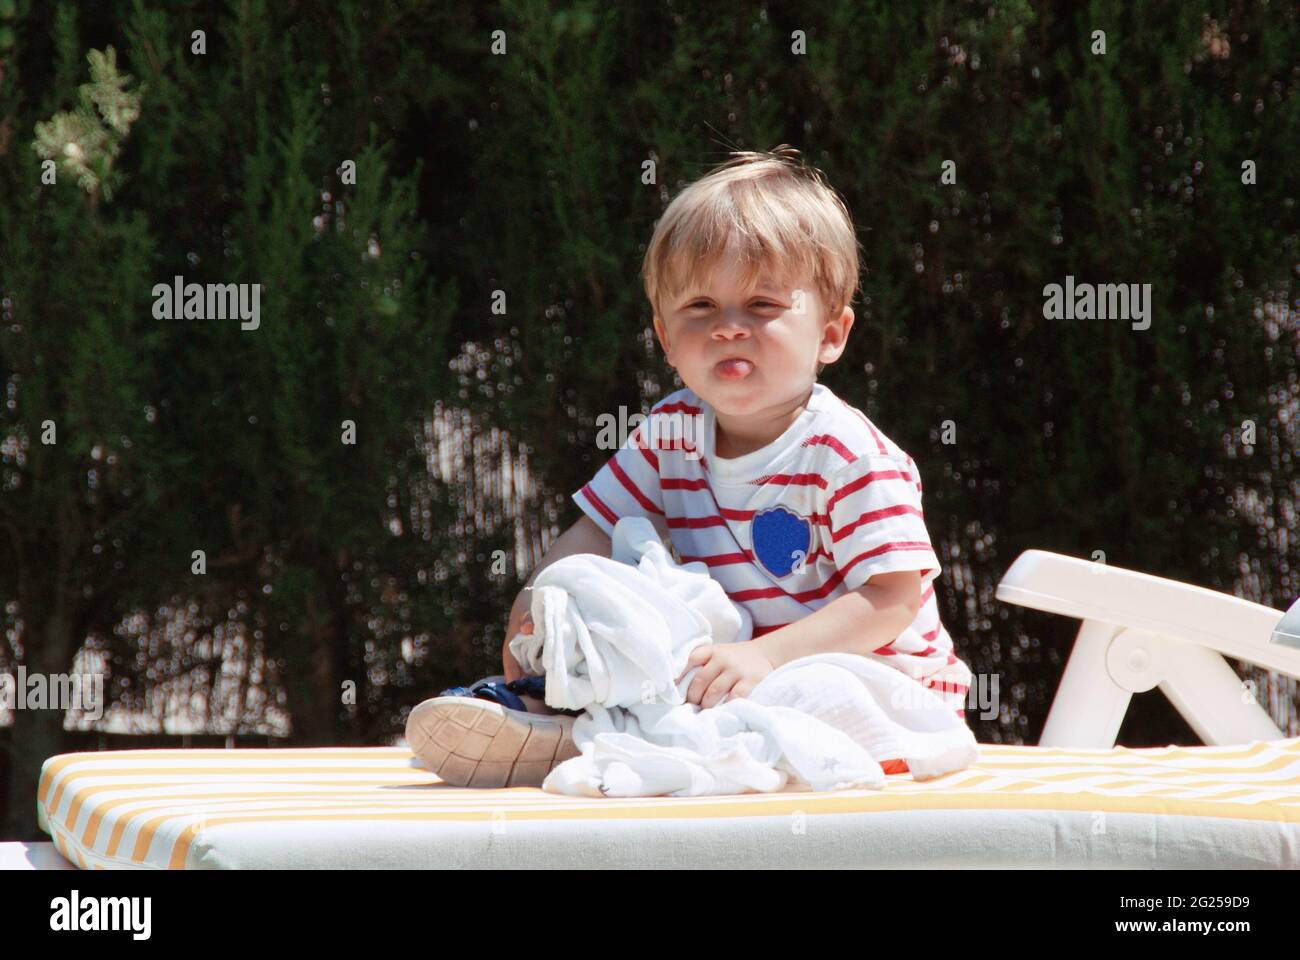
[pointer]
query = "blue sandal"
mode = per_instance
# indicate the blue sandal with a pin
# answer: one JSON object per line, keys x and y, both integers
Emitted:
{"x": 497, "y": 690}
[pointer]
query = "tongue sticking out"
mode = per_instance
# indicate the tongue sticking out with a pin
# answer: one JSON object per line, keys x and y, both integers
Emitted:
{"x": 734, "y": 369}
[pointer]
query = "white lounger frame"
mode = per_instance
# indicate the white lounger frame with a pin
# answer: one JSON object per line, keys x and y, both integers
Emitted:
{"x": 1140, "y": 631}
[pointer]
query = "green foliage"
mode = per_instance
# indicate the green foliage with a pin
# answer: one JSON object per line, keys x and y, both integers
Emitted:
{"x": 88, "y": 139}
{"x": 182, "y": 435}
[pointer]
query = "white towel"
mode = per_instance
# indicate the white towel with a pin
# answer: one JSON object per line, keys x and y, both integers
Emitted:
{"x": 611, "y": 635}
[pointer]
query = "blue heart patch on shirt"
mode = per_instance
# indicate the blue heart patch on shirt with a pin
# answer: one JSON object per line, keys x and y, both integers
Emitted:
{"x": 780, "y": 539}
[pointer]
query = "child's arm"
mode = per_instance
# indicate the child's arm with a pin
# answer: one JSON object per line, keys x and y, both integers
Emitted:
{"x": 583, "y": 537}
{"x": 857, "y": 622}
{"x": 873, "y": 505}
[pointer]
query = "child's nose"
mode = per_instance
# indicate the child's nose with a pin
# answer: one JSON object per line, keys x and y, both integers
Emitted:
{"x": 731, "y": 322}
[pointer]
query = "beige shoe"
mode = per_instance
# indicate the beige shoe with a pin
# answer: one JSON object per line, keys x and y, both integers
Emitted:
{"x": 470, "y": 742}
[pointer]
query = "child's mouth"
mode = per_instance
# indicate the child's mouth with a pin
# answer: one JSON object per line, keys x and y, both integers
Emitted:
{"x": 734, "y": 369}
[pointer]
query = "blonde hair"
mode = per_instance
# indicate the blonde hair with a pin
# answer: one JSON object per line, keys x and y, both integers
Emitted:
{"x": 782, "y": 213}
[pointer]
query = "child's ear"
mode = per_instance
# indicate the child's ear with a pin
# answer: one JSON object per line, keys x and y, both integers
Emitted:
{"x": 835, "y": 336}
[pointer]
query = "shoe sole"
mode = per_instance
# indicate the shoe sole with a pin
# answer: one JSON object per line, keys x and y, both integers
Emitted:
{"x": 470, "y": 742}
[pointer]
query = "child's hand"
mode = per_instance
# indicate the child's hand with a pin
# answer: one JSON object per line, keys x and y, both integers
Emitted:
{"x": 521, "y": 616}
{"x": 725, "y": 668}
{"x": 521, "y": 621}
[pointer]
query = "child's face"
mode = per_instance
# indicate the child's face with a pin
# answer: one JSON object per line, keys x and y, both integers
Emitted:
{"x": 778, "y": 325}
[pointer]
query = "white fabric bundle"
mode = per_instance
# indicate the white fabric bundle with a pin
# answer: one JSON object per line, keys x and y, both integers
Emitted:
{"x": 611, "y": 636}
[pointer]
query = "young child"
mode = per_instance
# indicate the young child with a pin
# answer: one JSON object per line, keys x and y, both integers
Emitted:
{"x": 802, "y": 508}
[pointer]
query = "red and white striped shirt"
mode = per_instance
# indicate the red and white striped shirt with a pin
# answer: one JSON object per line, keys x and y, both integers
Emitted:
{"x": 789, "y": 527}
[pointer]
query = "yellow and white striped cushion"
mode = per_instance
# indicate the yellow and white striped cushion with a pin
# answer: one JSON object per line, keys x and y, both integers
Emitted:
{"x": 1018, "y": 806}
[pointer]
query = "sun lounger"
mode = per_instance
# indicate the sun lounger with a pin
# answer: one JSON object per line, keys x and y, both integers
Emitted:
{"x": 1075, "y": 800}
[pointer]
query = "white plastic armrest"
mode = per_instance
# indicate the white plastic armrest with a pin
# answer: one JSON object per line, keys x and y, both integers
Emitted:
{"x": 1141, "y": 631}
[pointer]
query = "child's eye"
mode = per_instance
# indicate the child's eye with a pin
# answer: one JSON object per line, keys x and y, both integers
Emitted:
{"x": 704, "y": 305}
